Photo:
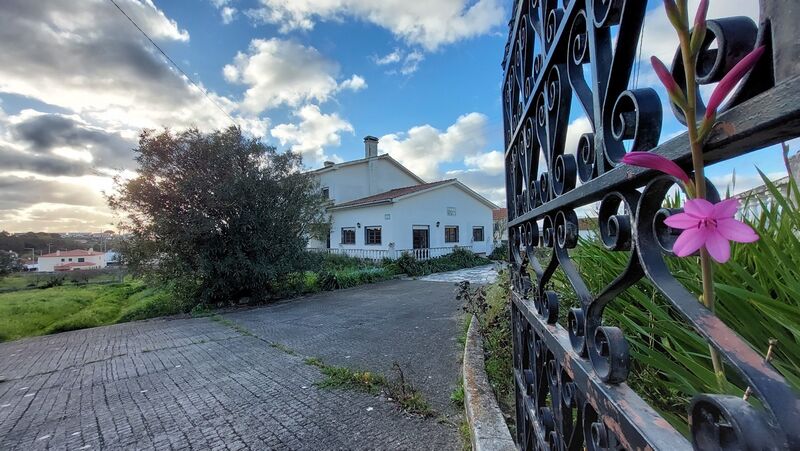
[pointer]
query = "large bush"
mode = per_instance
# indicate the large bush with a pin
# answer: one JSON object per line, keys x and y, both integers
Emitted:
{"x": 219, "y": 216}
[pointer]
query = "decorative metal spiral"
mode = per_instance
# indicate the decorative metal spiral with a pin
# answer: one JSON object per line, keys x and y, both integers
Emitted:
{"x": 570, "y": 373}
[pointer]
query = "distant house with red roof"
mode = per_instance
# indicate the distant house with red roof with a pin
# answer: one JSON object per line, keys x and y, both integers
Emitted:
{"x": 500, "y": 219}
{"x": 379, "y": 208}
{"x": 73, "y": 260}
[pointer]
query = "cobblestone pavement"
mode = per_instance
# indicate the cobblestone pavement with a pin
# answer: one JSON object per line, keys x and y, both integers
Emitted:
{"x": 203, "y": 384}
{"x": 479, "y": 275}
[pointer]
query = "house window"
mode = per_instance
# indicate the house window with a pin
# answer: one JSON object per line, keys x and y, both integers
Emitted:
{"x": 477, "y": 234}
{"x": 372, "y": 235}
{"x": 451, "y": 211}
{"x": 348, "y": 235}
{"x": 326, "y": 192}
{"x": 451, "y": 234}
{"x": 81, "y": 260}
{"x": 70, "y": 259}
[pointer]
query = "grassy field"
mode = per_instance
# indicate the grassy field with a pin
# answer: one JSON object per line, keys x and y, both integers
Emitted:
{"x": 43, "y": 311}
{"x": 39, "y": 304}
{"x": 30, "y": 280}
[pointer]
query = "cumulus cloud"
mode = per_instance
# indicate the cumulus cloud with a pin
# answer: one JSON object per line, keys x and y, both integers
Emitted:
{"x": 427, "y": 24}
{"x": 283, "y": 72}
{"x": 98, "y": 65}
{"x": 355, "y": 83}
{"x": 492, "y": 163}
{"x": 87, "y": 62}
{"x": 424, "y": 148}
{"x": 314, "y": 132}
{"x": 428, "y": 152}
{"x": 58, "y": 144}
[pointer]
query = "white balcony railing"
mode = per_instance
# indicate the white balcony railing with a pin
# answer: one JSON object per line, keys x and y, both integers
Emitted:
{"x": 393, "y": 254}
{"x": 432, "y": 252}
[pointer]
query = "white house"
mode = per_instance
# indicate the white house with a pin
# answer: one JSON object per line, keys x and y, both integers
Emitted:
{"x": 379, "y": 209}
{"x": 71, "y": 260}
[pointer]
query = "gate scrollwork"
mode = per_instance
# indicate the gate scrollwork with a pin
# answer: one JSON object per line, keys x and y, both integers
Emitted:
{"x": 570, "y": 380}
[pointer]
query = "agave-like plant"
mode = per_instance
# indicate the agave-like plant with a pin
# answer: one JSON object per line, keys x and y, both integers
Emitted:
{"x": 758, "y": 296}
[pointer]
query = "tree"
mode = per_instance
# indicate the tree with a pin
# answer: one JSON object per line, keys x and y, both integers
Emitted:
{"x": 219, "y": 215}
{"x": 8, "y": 263}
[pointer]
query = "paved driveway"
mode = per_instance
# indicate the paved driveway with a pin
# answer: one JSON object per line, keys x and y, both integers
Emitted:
{"x": 205, "y": 384}
{"x": 479, "y": 275}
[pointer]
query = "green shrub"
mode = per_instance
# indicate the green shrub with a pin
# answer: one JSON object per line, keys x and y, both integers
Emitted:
{"x": 500, "y": 253}
{"x": 459, "y": 258}
{"x": 151, "y": 303}
{"x": 410, "y": 265}
{"x": 55, "y": 280}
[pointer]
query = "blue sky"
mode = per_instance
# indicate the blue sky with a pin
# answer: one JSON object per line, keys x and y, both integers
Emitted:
{"x": 78, "y": 81}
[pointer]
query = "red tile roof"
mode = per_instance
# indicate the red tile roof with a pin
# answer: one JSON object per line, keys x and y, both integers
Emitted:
{"x": 500, "y": 213}
{"x": 73, "y": 253}
{"x": 391, "y": 194}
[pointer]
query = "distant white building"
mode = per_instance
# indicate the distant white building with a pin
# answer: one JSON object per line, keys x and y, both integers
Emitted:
{"x": 379, "y": 209}
{"x": 71, "y": 260}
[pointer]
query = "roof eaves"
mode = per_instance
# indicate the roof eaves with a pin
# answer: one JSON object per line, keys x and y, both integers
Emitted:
{"x": 364, "y": 204}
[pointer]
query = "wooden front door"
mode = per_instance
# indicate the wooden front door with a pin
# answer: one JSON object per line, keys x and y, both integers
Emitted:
{"x": 421, "y": 237}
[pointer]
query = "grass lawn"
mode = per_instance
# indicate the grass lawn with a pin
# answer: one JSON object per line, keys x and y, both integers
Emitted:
{"x": 58, "y": 309}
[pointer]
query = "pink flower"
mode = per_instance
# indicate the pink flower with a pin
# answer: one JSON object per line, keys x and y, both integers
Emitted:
{"x": 665, "y": 76}
{"x": 730, "y": 79}
{"x": 657, "y": 162}
{"x": 702, "y": 12}
{"x": 709, "y": 225}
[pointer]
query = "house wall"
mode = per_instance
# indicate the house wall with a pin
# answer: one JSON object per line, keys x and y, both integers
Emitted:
{"x": 374, "y": 176}
{"x": 368, "y": 217}
{"x": 429, "y": 207}
{"x": 48, "y": 264}
{"x": 421, "y": 209}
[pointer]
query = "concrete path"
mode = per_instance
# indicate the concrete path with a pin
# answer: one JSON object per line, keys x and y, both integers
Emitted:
{"x": 479, "y": 275}
{"x": 206, "y": 384}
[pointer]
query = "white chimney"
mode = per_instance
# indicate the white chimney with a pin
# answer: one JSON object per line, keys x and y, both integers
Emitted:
{"x": 370, "y": 146}
{"x": 58, "y": 252}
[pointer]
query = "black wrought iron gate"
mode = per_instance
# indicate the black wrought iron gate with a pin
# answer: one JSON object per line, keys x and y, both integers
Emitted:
{"x": 570, "y": 380}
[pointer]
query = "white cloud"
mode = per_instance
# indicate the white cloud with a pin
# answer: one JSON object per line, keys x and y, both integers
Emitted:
{"x": 88, "y": 58}
{"x": 405, "y": 62}
{"x": 228, "y": 13}
{"x": 389, "y": 58}
{"x": 427, "y": 24}
{"x": 424, "y": 148}
{"x": 575, "y": 130}
{"x": 314, "y": 133}
{"x": 428, "y": 151}
{"x": 659, "y": 37}
{"x": 283, "y": 72}
{"x": 411, "y": 62}
{"x": 492, "y": 163}
{"x": 355, "y": 83}
{"x": 88, "y": 61}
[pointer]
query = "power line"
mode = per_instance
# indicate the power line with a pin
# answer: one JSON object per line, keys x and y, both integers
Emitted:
{"x": 205, "y": 93}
